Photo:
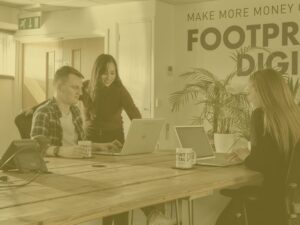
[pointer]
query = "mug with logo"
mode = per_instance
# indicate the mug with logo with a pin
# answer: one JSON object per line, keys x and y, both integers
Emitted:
{"x": 185, "y": 158}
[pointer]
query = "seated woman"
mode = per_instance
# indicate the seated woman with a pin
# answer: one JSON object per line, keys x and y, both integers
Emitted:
{"x": 275, "y": 130}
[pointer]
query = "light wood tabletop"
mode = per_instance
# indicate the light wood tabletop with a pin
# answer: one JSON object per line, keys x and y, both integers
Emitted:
{"x": 82, "y": 190}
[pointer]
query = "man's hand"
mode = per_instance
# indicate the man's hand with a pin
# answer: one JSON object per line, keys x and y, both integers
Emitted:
{"x": 72, "y": 152}
{"x": 239, "y": 154}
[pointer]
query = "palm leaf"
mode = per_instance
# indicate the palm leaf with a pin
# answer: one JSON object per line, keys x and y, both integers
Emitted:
{"x": 200, "y": 74}
{"x": 190, "y": 92}
{"x": 223, "y": 110}
{"x": 294, "y": 87}
{"x": 229, "y": 77}
{"x": 244, "y": 50}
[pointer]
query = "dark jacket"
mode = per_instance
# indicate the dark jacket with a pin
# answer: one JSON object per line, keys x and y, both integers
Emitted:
{"x": 268, "y": 158}
{"x": 104, "y": 115}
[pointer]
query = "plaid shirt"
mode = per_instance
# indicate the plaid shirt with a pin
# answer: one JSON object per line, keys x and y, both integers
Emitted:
{"x": 46, "y": 122}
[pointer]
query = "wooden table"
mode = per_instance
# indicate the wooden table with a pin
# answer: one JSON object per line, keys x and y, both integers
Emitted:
{"x": 81, "y": 190}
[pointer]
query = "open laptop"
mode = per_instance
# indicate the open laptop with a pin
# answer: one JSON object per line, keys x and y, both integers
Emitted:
{"x": 142, "y": 137}
{"x": 195, "y": 137}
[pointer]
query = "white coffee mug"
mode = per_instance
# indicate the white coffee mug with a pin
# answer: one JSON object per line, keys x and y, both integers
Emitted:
{"x": 87, "y": 146}
{"x": 185, "y": 158}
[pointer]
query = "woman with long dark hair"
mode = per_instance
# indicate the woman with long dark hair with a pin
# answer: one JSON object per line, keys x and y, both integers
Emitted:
{"x": 275, "y": 131}
{"x": 106, "y": 99}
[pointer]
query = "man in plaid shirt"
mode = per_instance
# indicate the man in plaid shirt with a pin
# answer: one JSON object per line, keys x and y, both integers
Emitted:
{"x": 59, "y": 119}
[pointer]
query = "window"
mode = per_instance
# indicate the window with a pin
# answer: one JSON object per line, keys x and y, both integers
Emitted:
{"x": 7, "y": 54}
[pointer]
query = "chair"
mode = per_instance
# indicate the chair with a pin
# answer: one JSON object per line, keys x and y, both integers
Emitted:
{"x": 291, "y": 196}
{"x": 23, "y": 121}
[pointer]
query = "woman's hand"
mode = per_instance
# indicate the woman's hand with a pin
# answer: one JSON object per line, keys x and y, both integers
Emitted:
{"x": 117, "y": 144}
{"x": 239, "y": 154}
{"x": 110, "y": 146}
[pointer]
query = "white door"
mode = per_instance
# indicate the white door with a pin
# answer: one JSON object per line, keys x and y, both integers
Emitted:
{"x": 134, "y": 61}
{"x": 39, "y": 63}
{"x": 41, "y": 60}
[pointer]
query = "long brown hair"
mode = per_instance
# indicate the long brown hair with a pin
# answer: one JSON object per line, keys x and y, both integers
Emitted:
{"x": 281, "y": 113}
{"x": 99, "y": 68}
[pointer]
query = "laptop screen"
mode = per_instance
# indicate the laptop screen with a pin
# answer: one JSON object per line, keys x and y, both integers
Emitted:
{"x": 195, "y": 138}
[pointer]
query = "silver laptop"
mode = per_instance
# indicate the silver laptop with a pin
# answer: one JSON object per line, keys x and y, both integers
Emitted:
{"x": 142, "y": 137}
{"x": 195, "y": 137}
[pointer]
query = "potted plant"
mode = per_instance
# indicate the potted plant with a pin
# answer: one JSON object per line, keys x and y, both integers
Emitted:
{"x": 223, "y": 109}
{"x": 227, "y": 111}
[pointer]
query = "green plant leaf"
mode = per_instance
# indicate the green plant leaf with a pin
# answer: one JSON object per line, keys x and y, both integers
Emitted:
{"x": 190, "y": 92}
{"x": 226, "y": 112}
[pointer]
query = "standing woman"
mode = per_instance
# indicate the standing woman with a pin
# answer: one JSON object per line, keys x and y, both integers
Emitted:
{"x": 275, "y": 131}
{"x": 104, "y": 98}
{"x": 105, "y": 101}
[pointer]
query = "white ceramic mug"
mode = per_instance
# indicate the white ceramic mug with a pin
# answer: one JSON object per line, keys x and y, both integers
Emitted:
{"x": 87, "y": 146}
{"x": 185, "y": 158}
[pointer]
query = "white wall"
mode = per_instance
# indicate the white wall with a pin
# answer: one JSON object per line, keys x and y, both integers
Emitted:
{"x": 171, "y": 47}
{"x": 208, "y": 59}
{"x": 166, "y": 82}
{"x": 9, "y": 104}
{"x": 218, "y": 61}
{"x": 163, "y": 58}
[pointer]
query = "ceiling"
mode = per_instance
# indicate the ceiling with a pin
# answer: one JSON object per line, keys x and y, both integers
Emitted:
{"x": 52, "y": 5}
